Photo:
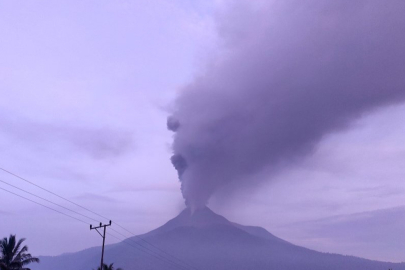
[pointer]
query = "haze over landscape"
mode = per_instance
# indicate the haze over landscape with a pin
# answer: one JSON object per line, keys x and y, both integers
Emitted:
{"x": 282, "y": 115}
{"x": 205, "y": 240}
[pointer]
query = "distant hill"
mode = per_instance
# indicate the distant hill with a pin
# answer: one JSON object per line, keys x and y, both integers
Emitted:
{"x": 207, "y": 241}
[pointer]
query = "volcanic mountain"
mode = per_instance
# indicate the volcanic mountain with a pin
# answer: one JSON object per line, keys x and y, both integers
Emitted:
{"x": 204, "y": 240}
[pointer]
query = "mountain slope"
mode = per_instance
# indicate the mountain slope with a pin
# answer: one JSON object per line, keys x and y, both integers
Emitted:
{"x": 205, "y": 240}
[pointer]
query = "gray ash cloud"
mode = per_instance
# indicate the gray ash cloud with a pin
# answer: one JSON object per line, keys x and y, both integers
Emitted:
{"x": 289, "y": 74}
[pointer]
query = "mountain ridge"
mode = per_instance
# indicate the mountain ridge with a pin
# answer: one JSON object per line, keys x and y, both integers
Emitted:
{"x": 207, "y": 240}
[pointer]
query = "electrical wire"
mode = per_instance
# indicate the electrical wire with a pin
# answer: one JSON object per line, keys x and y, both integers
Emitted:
{"x": 134, "y": 248}
{"x": 154, "y": 252}
{"x": 161, "y": 250}
{"x": 32, "y": 194}
{"x": 52, "y": 193}
{"x": 44, "y": 205}
{"x": 122, "y": 240}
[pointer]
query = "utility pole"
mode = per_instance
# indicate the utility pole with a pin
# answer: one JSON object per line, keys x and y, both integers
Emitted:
{"x": 103, "y": 236}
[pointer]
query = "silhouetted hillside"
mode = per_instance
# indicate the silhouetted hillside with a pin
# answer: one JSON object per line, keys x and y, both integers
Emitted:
{"x": 206, "y": 240}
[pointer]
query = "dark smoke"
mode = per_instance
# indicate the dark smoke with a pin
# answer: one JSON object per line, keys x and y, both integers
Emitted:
{"x": 289, "y": 73}
{"x": 172, "y": 124}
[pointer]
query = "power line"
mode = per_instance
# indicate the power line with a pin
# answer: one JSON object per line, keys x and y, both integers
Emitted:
{"x": 72, "y": 218}
{"x": 125, "y": 241}
{"x": 160, "y": 256}
{"x": 133, "y": 247}
{"x": 51, "y": 208}
{"x": 161, "y": 250}
{"x": 44, "y": 205}
{"x": 153, "y": 252}
{"x": 73, "y": 211}
{"x": 52, "y": 193}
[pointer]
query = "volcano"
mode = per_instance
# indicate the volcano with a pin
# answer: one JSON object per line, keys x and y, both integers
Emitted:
{"x": 205, "y": 240}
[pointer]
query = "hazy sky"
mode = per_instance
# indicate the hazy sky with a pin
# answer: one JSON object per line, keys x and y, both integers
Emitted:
{"x": 86, "y": 88}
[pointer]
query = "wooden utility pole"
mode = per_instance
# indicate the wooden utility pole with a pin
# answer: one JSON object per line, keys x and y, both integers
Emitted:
{"x": 103, "y": 236}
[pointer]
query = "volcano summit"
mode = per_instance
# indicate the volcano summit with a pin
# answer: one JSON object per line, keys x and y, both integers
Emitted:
{"x": 205, "y": 240}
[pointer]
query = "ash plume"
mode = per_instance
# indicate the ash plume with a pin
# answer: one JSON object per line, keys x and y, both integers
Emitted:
{"x": 288, "y": 73}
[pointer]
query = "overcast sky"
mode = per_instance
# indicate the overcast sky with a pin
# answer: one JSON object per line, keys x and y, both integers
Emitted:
{"x": 86, "y": 87}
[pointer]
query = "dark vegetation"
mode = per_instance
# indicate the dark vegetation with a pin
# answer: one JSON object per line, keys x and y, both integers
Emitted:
{"x": 14, "y": 256}
{"x": 108, "y": 267}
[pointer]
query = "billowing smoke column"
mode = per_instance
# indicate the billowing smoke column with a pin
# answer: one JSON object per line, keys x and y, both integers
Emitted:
{"x": 289, "y": 73}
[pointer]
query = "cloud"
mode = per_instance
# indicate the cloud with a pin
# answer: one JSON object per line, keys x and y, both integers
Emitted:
{"x": 289, "y": 74}
{"x": 373, "y": 234}
{"x": 146, "y": 187}
{"x": 95, "y": 197}
{"x": 4, "y": 213}
{"x": 96, "y": 142}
